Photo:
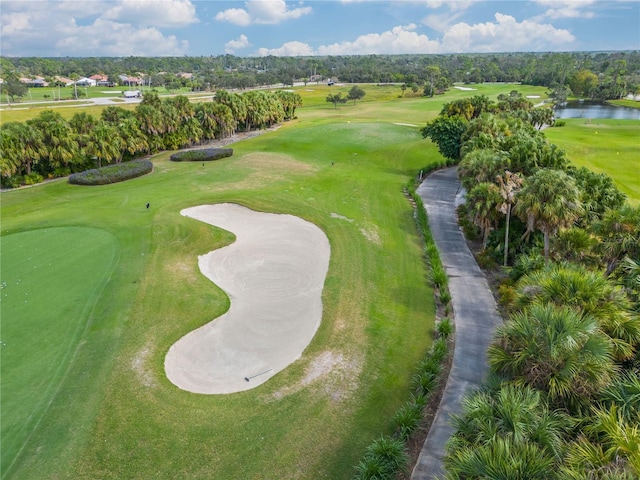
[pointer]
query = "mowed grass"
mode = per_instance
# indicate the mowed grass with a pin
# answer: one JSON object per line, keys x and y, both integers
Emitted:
{"x": 604, "y": 146}
{"x": 115, "y": 415}
{"x": 46, "y": 302}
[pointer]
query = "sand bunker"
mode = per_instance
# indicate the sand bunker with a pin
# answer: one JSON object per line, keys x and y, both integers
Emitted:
{"x": 274, "y": 274}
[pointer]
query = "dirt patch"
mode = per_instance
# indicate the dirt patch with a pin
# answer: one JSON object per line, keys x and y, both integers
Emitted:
{"x": 139, "y": 366}
{"x": 333, "y": 373}
{"x": 279, "y": 164}
{"x": 371, "y": 234}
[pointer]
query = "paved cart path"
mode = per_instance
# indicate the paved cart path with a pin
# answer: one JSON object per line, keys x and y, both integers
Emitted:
{"x": 475, "y": 313}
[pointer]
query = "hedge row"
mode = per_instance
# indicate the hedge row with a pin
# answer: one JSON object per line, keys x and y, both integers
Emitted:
{"x": 112, "y": 173}
{"x": 201, "y": 155}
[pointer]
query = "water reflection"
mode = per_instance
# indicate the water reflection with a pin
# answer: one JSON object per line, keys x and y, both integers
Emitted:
{"x": 588, "y": 109}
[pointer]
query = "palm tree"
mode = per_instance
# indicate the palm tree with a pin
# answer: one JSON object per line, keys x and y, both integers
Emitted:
{"x": 225, "y": 120}
{"x": 609, "y": 448}
{"x": 549, "y": 200}
{"x": 520, "y": 414}
{"x": 619, "y": 232}
{"x": 104, "y": 144}
{"x": 508, "y": 184}
{"x": 206, "y": 116}
{"x": 553, "y": 349}
{"x": 481, "y": 165}
{"x": 502, "y": 459}
{"x": 22, "y": 147}
{"x": 630, "y": 279}
{"x": 235, "y": 102}
{"x": 484, "y": 201}
{"x": 624, "y": 394}
{"x": 575, "y": 245}
{"x": 589, "y": 293}
{"x": 134, "y": 140}
{"x": 62, "y": 146}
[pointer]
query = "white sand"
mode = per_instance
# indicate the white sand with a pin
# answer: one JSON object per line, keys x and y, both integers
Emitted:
{"x": 274, "y": 274}
{"x": 465, "y": 88}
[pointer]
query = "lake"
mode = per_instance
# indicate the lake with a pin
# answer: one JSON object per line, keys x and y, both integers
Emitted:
{"x": 588, "y": 109}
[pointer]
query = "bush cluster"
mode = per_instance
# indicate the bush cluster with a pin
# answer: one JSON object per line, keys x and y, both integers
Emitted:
{"x": 112, "y": 173}
{"x": 201, "y": 155}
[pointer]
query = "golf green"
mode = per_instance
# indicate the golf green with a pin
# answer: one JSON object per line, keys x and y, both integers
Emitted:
{"x": 51, "y": 279}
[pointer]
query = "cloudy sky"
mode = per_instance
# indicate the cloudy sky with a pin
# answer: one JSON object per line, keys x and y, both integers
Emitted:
{"x": 54, "y": 28}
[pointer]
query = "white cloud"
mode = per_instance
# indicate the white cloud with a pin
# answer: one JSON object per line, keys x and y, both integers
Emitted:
{"x": 13, "y": 23}
{"x": 400, "y": 39}
{"x": 566, "y": 8}
{"x": 120, "y": 39}
{"x": 266, "y": 12}
{"x": 157, "y": 13}
{"x": 289, "y": 49}
{"x": 505, "y": 35}
{"x": 233, "y": 45}
{"x": 237, "y": 16}
{"x": 455, "y": 6}
{"x": 78, "y": 29}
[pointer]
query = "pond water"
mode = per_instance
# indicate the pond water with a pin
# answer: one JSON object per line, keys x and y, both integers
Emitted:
{"x": 587, "y": 109}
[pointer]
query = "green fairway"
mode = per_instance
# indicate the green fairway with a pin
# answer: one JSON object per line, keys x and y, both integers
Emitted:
{"x": 604, "y": 146}
{"x": 51, "y": 281}
{"x": 111, "y": 413}
{"x": 127, "y": 420}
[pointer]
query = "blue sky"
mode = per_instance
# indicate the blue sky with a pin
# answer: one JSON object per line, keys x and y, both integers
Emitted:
{"x": 54, "y": 28}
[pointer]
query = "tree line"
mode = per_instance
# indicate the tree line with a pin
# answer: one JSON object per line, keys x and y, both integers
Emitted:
{"x": 562, "y": 400}
{"x": 601, "y": 75}
{"x": 49, "y": 146}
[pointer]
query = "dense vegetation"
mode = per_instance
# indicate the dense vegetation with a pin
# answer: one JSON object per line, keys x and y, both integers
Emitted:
{"x": 49, "y": 146}
{"x": 563, "y": 400}
{"x": 592, "y": 74}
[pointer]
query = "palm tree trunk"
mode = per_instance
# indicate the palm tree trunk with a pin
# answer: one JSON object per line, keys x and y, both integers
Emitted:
{"x": 506, "y": 235}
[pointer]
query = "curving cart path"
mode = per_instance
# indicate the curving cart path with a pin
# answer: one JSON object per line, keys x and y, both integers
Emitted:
{"x": 475, "y": 313}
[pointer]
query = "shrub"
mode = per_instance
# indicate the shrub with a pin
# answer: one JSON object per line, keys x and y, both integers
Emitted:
{"x": 559, "y": 123}
{"x": 445, "y": 327}
{"x": 112, "y": 173}
{"x": 439, "y": 350}
{"x": 506, "y": 295}
{"x": 423, "y": 382}
{"x": 201, "y": 155}
{"x": 439, "y": 276}
{"x": 445, "y": 297}
{"x": 33, "y": 178}
{"x": 432, "y": 253}
{"x": 407, "y": 419}
{"x": 384, "y": 459}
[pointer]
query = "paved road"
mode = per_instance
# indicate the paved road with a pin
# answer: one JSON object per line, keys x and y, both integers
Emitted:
{"x": 476, "y": 316}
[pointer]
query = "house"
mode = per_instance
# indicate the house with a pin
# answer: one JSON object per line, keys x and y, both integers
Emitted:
{"x": 129, "y": 81}
{"x": 34, "y": 82}
{"x": 102, "y": 80}
{"x": 86, "y": 82}
{"x": 67, "y": 82}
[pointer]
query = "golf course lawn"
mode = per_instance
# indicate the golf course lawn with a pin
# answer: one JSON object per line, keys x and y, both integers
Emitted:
{"x": 114, "y": 414}
{"x": 126, "y": 286}
{"x": 52, "y": 292}
{"x": 604, "y": 146}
